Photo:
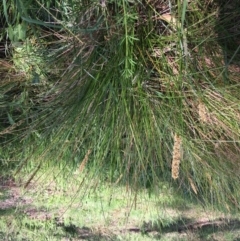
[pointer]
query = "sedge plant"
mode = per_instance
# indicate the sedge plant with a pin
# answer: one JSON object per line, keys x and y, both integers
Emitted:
{"x": 146, "y": 91}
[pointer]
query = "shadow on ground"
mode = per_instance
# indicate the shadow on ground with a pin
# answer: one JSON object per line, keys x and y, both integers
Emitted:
{"x": 201, "y": 229}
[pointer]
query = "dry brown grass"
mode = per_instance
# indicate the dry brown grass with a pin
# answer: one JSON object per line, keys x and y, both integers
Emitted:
{"x": 202, "y": 112}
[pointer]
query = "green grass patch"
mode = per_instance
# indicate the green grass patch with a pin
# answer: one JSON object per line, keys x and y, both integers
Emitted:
{"x": 50, "y": 212}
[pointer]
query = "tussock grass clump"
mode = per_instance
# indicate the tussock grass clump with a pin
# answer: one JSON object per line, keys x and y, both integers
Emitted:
{"x": 134, "y": 74}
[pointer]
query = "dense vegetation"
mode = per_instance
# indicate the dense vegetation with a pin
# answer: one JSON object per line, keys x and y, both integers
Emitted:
{"x": 130, "y": 92}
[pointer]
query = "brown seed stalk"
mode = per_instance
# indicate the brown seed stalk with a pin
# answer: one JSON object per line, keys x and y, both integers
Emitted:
{"x": 85, "y": 159}
{"x": 176, "y": 156}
